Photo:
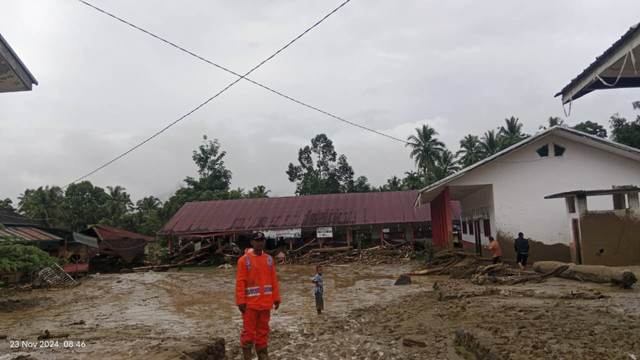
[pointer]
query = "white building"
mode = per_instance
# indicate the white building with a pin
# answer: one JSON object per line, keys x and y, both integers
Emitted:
{"x": 504, "y": 194}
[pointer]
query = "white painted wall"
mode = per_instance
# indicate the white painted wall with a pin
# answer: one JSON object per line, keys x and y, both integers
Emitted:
{"x": 521, "y": 180}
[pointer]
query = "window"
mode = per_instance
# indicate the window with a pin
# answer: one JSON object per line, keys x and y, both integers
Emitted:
{"x": 543, "y": 151}
{"x": 470, "y": 228}
{"x": 487, "y": 228}
{"x": 464, "y": 227}
{"x": 619, "y": 202}
{"x": 558, "y": 150}
{"x": 571, "y": 204}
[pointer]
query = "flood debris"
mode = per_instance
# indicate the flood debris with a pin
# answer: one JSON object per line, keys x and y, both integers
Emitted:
{"x": 591, "y": 273}
{"x": 501, "y": 274}
{"x": 411, "y": 341}
{"x": 55, "y": 276}
{"x": 383, "y": 254}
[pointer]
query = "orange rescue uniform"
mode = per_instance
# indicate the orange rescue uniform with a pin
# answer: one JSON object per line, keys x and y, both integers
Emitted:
{"x": 256, "y": 286}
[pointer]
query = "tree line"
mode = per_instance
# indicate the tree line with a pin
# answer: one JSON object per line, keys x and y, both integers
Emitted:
{"x": 319, "y": 170}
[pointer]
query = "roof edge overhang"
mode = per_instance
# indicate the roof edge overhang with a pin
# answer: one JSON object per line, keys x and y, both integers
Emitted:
{"x": 618, "y": 190}
{"x": 16, "y": 66}
{"x": 582, "y": 84}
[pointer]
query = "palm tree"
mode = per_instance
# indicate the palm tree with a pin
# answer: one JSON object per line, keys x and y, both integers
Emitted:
{"x": 511, "y": 133}
{"x": 259, "y": 191}
{"x": 117, "y": 203}
{"x": 413, "y": 181}
{"x": 425, "y": 147}
{"x": 490, "y": 143}
{"x": 553, "y": 121}
{"x": 148, "y": 204}
{"x": 393, "y": 184}
{"x": 470, "y": 149}
{"x": 445, "y": 165}
{"x": 43, "y": 205}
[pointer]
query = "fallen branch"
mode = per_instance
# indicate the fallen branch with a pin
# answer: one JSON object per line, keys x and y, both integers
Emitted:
{"x": 592, "y": 273}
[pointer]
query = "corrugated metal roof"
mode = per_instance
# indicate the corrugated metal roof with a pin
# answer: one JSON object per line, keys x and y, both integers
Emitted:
{"x": 27, "y": 233}
{"x": 633, "y": 81}
{"x": 9, "y": 217}
{"x": 111, "y": 233}
{"x": 298, "y": 212}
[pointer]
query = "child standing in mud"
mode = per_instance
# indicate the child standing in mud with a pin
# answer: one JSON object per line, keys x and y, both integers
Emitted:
{"x": 319, "y": 290}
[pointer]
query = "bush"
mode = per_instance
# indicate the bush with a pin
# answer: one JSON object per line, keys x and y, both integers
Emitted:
{"x": 23, "y": 258}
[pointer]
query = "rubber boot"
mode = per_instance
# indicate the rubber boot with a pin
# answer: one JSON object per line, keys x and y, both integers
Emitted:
{"x": 246, "y": 351}
{"x": 263, "y": 354}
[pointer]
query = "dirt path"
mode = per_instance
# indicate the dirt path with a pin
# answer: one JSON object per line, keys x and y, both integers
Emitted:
{"x": 165, "y": 315}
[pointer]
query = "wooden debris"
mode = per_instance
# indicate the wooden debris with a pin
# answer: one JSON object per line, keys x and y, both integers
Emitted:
{"x": 592, "y": 273}
{"x": 346, "y": 254}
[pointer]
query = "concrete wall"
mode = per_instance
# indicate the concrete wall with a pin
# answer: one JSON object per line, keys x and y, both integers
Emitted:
{"x": 610, "y": 238}
{"x": 522, "y": 179}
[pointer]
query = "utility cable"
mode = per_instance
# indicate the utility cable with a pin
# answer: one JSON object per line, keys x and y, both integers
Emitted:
{"x": 246, "y": 78}
{"x": 208, "y": 100}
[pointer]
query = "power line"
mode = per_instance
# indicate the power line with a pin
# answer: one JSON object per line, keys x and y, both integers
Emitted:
{"x": 246, "y": 78}
{"x": 240, "y": 77}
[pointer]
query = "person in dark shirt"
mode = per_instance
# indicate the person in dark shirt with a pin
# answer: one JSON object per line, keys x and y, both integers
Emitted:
{"x": 521, "y": 245}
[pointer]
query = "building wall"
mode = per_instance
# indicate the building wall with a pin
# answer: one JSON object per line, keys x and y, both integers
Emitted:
{"x": 610, "y": 238}
{"x": 522, "y": 179}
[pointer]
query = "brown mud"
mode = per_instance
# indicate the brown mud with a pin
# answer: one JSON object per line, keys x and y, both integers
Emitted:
{"x": 168, "y": 315}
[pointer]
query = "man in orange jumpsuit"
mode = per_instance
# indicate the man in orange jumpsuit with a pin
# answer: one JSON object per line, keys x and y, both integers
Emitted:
{"x": 257, "y": 291}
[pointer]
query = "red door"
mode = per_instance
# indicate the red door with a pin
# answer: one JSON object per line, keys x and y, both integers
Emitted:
{"x": 476, "y": 233}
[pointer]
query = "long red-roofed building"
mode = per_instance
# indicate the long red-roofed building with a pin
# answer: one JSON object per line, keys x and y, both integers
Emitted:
{"x": 390, "y": 215}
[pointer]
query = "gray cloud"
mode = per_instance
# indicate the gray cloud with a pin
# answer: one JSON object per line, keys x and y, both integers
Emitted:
{"x": 461, "y": 67}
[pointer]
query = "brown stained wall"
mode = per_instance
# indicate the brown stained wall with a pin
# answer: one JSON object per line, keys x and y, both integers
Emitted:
{"x": 616, "y": 233}
{"x": 537, "y": 250}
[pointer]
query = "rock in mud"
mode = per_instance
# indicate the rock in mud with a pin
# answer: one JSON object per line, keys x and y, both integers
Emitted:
{"x": 403, "y": 280}
{"x": 214, "y": 351}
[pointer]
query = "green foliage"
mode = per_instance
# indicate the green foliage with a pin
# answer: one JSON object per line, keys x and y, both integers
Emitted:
{"x": 511, "y": 132}
{"x": 23, "y": 258}
{"x": 470, "y": 151}
{"x": 425, "y": 148}
{"x": 626, "y": 132}
{"x": 45, "y": 205}
{"x": 6, "y": 204}
{"x": 321, "y": 171}
{"x": 592, "y": 128}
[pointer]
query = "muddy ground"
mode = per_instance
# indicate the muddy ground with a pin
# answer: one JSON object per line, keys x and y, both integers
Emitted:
{"x": 166, "y": 315}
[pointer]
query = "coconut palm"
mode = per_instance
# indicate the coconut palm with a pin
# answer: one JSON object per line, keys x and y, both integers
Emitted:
{"x": 413, "y": 180}
{"x": 445, "y": 165}
{"x": 117, "y": 202}
{"x": 425, "y": 147}
{"x": 44, "y": 205}
{"x": 471, "y": 150}
{"x": 259, "y": 191}
{"x": 490, "y": 143}
{"x": 552, "y": 121}
{"x": 148, "y": 204}
{"x": 511, "y": 132}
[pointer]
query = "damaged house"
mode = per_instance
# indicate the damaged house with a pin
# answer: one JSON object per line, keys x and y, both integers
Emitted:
{"x": 338, "y": 219}
{"x": 505, "y": 194}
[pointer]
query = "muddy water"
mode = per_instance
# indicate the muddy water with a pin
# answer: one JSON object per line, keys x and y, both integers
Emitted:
{"x": 163, "y": 315}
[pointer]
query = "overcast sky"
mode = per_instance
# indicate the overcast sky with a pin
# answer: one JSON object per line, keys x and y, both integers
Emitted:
{"x": 461, "y": 67}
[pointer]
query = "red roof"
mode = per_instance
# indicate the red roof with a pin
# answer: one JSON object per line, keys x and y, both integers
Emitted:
{"x": 299, "y": 212}
{"x": 110, "y": 233}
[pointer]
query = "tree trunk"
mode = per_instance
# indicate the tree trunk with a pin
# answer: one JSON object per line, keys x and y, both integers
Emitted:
{"x": 593, "y": 273}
